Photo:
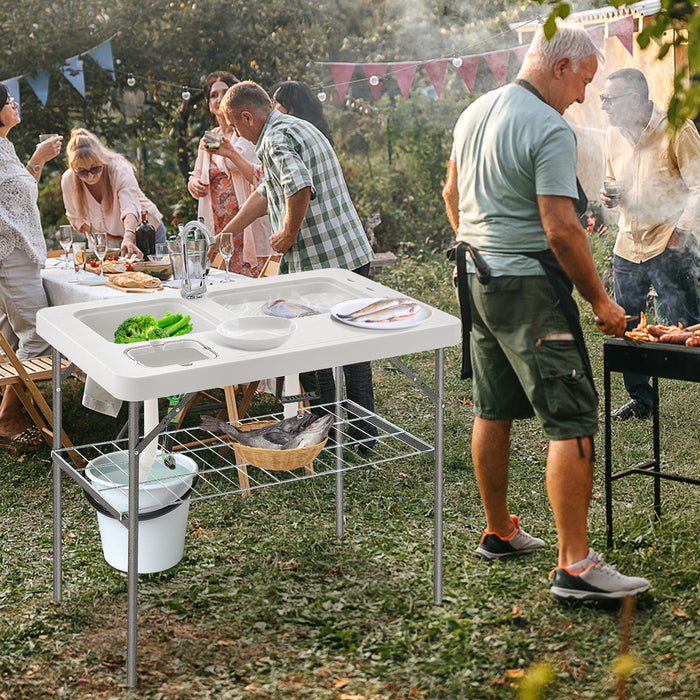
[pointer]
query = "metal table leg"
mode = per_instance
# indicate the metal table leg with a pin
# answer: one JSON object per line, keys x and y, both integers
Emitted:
{"x": 133, "y": 555}
{"x": 339, "y": 475}
{"x": 57, "y": 477}
{"x": 608, "y": 453}
{"x": 657, "y": 446}
{"x": 439, "y": 436}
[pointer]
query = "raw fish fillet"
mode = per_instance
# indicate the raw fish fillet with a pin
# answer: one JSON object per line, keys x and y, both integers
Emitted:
{"x": 288, "y": 309}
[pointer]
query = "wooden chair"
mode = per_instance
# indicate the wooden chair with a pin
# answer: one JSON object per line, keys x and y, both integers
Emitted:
{"x": 21, "y": 376}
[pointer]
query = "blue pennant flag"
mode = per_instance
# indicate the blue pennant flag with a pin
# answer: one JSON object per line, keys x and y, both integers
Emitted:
{"x": 12, "y": 84}
{"x": 72, "y": 71}
{"x": 102, "y": 55}
{"x": 39, "y": 82}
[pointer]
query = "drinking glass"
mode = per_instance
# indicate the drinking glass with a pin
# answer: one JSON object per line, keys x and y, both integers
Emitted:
{"x": 65, "y": 238}
{"x": 226, "y": 250}
{"x": 78, "y": 259}
{"x": 99, "y": 242}
{"x": 613, "y": 189}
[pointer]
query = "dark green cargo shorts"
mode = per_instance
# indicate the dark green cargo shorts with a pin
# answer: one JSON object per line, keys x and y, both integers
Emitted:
{"x": 521, "y": 369}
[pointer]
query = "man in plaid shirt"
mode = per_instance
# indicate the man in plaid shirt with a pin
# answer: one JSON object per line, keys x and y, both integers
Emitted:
{"x": 303, "y": 189}
{"x": 314, "y": 221}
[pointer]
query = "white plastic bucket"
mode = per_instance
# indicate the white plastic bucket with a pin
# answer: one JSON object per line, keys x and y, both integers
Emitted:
{"x": 164, "y": 502}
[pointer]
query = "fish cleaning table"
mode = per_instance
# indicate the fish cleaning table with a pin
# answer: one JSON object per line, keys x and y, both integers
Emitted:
{"x": 83, "y": 333}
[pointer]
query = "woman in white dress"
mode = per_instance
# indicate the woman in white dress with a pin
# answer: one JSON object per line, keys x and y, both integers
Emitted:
{"x": 22, "y": 254}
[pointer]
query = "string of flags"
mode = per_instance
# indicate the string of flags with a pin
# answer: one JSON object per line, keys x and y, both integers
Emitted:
{"x": 375, "y": 74}
{"x": 497, "y": 61}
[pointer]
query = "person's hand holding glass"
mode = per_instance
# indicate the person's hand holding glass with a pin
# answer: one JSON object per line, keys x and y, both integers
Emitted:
{"x": 226, "y": 250}
{"x": 65, "y": 238}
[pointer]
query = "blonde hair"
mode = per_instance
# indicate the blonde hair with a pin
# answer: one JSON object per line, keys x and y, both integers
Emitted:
{"x": 85, "y": 147}
{"x": 570, "y": 40}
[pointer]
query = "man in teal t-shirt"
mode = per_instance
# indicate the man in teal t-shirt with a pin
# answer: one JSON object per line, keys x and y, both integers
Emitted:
{"x": 510, "y": 191}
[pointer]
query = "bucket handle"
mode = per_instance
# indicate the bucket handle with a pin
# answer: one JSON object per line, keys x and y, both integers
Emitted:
{"x": 151, "y": 514}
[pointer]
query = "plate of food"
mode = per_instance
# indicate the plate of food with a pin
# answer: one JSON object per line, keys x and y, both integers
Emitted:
{"x": 381, "y": 313}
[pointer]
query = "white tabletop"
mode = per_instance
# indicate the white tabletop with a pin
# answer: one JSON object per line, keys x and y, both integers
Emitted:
{"x": 84, "y": 333}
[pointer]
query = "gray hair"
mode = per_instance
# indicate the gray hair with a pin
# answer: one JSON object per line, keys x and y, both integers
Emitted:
{"x": 571, "y": 40}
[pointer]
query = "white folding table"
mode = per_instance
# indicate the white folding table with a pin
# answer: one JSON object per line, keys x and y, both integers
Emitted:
{"x": 83, "y": 333}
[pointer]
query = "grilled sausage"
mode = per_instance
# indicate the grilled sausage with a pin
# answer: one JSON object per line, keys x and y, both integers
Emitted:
{"x": 693, "y": 342}
{"x": 675, "y": 338}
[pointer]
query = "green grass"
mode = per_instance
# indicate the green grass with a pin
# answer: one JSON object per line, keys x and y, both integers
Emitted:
{"x": 268, "y": 603}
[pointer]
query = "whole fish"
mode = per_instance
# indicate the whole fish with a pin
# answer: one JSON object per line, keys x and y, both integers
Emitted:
{"x": 373, "y": 307}
{"x": 401, "y": 312}
{"x": 298, "y": 431}
{"x": 287, "y": 309}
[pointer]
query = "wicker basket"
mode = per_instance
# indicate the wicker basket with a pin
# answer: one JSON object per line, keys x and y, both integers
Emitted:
{"x": 275, "y": 460}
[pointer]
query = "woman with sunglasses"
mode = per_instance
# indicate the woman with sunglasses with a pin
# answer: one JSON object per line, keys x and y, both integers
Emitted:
{"x": 22, "y": 253}
{"x": 223, "y": 179}
{"x": 101, "y": 194}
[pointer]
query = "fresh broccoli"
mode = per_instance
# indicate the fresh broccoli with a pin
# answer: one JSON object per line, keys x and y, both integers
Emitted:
{"x": 138, "y": 328}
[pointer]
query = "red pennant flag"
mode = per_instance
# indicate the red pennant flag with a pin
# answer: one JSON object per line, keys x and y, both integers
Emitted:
{"x": 623, "y": 29}
{"x": 375, "y": 70}
{"x": 342, "y": 73}
{"x": 436, "y": 72}
{"x": 596, "y": 34}
{"x": 520, "y": 51}
{"x": 404, "y": 72}
{"x": 468, "y": 70}
{"x": 497, "y": 61}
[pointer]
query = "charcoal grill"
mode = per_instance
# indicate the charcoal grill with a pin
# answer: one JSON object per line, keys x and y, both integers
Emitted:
{"x": 657, "y": 360}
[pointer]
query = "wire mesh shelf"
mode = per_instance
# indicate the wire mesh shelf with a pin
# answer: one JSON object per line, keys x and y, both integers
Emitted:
{"x": 350, "y": 446}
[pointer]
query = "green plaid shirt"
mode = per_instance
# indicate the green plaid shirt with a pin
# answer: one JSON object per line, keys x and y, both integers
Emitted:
{"x": 294, "y": 155}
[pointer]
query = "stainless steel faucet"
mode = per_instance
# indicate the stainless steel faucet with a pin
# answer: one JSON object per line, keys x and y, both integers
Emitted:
{"x": 200, "y": 248}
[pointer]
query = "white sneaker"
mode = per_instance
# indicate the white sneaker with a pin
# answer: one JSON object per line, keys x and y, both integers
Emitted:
{"x": 493, "y": 546}
{"x": 597, "y": 581}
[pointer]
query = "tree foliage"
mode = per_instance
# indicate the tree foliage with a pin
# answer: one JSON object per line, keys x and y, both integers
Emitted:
{"x": 394, "y": 153}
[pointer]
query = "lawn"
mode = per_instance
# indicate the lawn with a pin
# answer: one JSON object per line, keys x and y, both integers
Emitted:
{"x": 268, "y": 603}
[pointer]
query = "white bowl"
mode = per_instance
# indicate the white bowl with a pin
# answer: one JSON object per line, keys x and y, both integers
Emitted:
{"x": 256, "y": 332}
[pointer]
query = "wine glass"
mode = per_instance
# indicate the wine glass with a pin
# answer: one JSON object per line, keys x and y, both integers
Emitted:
{"x": 65, "y": 238}
{"x": 99, "y": 244}
{"x": 226, "y": 250}
{"x": 78, "y": 257}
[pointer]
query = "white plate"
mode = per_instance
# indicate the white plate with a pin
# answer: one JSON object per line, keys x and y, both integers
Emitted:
{"x": 256, "y": 332}
{"x": 347, "y": 307}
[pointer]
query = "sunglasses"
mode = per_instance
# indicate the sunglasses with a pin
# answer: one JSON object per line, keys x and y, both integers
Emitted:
{"x": 84, "y": 172}
{"x": 611, "y": 98}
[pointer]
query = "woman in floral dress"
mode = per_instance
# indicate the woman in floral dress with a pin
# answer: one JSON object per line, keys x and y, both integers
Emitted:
{"x": 224, "y": 177}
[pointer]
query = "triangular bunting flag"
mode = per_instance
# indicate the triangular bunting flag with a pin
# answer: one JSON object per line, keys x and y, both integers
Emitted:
{"x": 39, "y": 82}
{"x": 342, "y": 73}
{"x": 497, "y": 61}
{"x": 12, "y": 84}
{"x": 468, "y": 70}
{"x": 102, "y": 55}
{"x": 596, "y": 34}
{"x": 623, "y": 29}
{"x": 404, "y": 72}
{"x": 372, "y": 71}
{"x": 436, "y": 72}
{"x": 520, "y": 51}
{"x": 72, "y": 71}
